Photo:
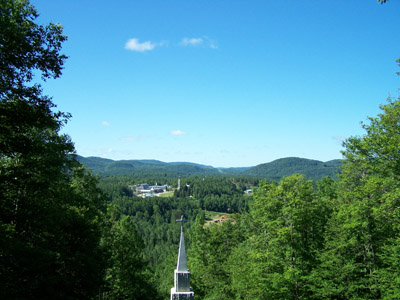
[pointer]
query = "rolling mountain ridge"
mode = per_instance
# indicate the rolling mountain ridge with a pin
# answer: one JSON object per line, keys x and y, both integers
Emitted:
{"x": 312, "y": 169}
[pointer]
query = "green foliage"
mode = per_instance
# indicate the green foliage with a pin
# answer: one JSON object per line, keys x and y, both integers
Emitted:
{"x": 223, "y": 194}
{"x": 127, "y": 276}
{"x": 284, "y": 247}
{"x": 52, "y": 213}
{"x": 151, "y": 168}
{"x": 208, "y": 257}
{"x": 155, "y": 222}
{"x": 50, "y": 232}
{"x": 27, "y": 47}
{"x": 335, "y": 239}
{"x": 145, "y": 168}
{"x": 360, "y": 256}
{"x": 283, "y": 167}
{"x": 50, "y": 221}
{"x": 330, "y": 239}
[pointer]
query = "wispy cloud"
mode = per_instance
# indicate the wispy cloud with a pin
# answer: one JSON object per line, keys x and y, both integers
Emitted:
{"x": 191, "y": 41}
{"x": 105, "y": 123}
{"x": 204, "y": 41}
{"x": 135, "y": 45}
{"x": 339, "y": 138}
{"x": 177, "y": 132}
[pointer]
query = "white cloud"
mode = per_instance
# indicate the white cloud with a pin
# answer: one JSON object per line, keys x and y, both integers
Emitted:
{"x": 105, "y": 123}
{"x": 135, "y": 45}
{"x": 192, "y": 41}
{"x": 204, "y": 41}
{"x": 177, "y": 132}
{"x": 339, "y": 138}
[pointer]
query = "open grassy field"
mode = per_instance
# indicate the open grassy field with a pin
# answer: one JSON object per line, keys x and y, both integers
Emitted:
{"x": 166, "y": 194}
{"x": 215, "y": 217}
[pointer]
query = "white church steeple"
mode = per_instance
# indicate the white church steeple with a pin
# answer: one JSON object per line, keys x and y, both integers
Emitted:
{"x": 182, "y": 289}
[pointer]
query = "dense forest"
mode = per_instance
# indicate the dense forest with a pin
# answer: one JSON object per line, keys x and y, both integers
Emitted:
{"x": 67, "y": 234}
{"x": 275, "y": 170}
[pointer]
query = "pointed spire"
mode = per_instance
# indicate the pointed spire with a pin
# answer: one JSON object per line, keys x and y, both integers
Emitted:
{"x": 182, "y": 265}
{"x": 182, "y": 289}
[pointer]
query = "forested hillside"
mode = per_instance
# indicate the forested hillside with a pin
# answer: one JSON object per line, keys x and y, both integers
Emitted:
{"x": 145, "y": 168}
{"x": 275, "y": 170}
{"x": 155, "y": 218}
{"x": 312, "y": 169}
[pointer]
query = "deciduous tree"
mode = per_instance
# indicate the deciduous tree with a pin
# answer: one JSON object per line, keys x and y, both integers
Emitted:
{"x": 51, "y": 210}
{"x": 360, "y": 259}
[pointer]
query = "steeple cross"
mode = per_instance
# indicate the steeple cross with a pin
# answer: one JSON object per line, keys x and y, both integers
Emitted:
{"x": 182, "y": 220}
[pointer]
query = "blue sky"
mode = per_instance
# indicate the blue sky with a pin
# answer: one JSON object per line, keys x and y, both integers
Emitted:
{"x": 223, "y": 83}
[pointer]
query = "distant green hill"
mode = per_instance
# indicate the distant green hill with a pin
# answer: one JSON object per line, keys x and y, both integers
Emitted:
{"x": 275, "y": 170}
{"x": 146, "y": 168}
{"x": 312, "y": 169}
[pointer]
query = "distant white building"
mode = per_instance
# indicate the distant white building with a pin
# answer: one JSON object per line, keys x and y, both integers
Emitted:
{"x": 144, "y": 188}
{"x": 148, "y": 195}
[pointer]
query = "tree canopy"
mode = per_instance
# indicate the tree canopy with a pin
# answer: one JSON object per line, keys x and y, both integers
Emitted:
{"x": 52, "y": 211}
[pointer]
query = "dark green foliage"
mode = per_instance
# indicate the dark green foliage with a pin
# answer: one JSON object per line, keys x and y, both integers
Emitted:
{"x": 222, "y": 194}
{"x": 50, "y": 239}
{"x": 275, "y": 170}
{"x": 225, "y": 203}
{"x": 312, "y": 169}
{"x": 281, "y": 252}
{"x": 155, "y": 220}
{"x": 52, "y": 213}
{"x": 51, "y": 210}
{"x": 27, "y": 47}
{"x": 145, "y": 168}
{"x": 360, "y": 259}
{"x": 126, "y": 276}
{"x": 208, "y": 257}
